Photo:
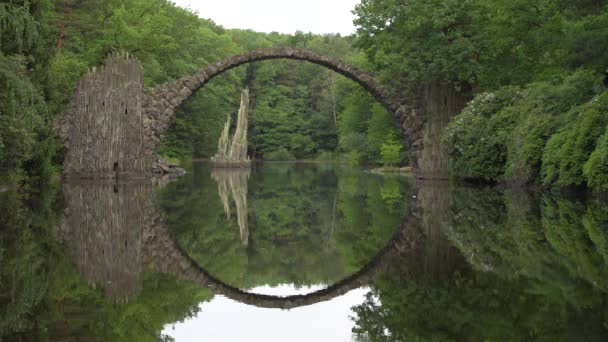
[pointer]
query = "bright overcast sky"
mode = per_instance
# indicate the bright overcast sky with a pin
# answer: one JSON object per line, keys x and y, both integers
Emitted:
{"x": 284, "y": 16}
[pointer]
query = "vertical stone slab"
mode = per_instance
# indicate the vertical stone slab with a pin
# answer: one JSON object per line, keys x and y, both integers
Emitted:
{"x": 440, "y": 102}
{"x": 103, "y": 126}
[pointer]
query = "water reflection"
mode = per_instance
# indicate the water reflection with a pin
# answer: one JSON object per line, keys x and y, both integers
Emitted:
{"x": 102, "y": 229}
{"x": 537, "y": 271}
{"x": 307, "y": 224}
{"x": 232, "y": 183}
{"x": 129, "y": 261}
{"x": 111, "y": 230}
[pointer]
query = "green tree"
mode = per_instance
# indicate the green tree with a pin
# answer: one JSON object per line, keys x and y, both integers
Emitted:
{"x": 391, "y": 151}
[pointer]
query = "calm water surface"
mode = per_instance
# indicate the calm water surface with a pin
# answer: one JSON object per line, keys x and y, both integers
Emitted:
{"x": 300, "y": 252}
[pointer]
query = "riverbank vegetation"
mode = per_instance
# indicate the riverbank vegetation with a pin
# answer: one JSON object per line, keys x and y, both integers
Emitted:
{"x": 536, "y": 74}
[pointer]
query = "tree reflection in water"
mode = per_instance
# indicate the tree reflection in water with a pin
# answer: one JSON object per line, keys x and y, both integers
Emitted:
{"x": 537, "y": 270}
{"x": 473, "y": 264}
{"x": 232, "y": 183}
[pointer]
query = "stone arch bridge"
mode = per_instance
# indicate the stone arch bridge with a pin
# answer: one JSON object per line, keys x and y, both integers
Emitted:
{"x": 114, "y": 125}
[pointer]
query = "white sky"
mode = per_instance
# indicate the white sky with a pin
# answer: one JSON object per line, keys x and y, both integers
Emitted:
{"x": 224, "y": 320}
{"x": 284, "y": 16}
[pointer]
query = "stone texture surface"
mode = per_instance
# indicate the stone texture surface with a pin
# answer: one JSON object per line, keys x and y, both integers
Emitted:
{"x": 122, "y": 135}
{"x": 103, "y": 127}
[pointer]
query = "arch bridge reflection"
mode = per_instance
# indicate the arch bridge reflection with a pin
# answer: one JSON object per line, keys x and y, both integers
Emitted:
{"x": 113, "y": 230}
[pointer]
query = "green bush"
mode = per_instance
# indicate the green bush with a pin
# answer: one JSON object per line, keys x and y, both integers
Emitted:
{"x": 543, "y": 110}
{"x": 526, "y": 146}
{"x": 353, "y": 158}
{"x": 579, "y": 144}
{"x": 544, "y": 132}
{"x": 477, "y": 137}
{"x": 280, "y": 154}
{"x": 569, "y": 149}
{"x": 391, "y": 151}
{"x": 550, "y": 159}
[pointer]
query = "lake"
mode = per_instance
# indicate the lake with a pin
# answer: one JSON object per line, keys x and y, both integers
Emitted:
{"x": 301, "y": 252}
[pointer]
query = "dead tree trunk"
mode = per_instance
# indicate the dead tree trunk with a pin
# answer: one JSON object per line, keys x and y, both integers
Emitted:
{"x": 233, "y": 184}
{"x": 232, "y": 151}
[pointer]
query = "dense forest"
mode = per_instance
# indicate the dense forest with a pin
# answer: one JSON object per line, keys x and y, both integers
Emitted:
{"x": 535, "y": 75}
{"x": 299, "y": 110}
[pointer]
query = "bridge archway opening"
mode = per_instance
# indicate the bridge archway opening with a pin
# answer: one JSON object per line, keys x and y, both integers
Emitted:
{"x": 173, "y": 95}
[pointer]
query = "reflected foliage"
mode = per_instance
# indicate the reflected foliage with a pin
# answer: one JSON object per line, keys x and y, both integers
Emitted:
{"x": 24, "y": 244}
{"x": 537, "y": 272}
{"x": 308, "y": 223}
{"x": 484, "y": 263}
{"x": 43, "y": 295}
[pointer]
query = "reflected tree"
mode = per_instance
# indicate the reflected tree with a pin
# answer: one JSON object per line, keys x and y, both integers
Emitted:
{"x": 537, "y": 271}
{"x": 232, "y": 183}
{"x": 299, "y": 219}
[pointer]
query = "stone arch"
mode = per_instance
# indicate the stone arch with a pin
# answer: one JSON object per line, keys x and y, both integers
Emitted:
{"x": 160, "y": 103}
{"x": 114, "y": 125}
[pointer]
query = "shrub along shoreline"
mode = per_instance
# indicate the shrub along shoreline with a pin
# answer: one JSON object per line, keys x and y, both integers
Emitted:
{"x": 548, "y": 134}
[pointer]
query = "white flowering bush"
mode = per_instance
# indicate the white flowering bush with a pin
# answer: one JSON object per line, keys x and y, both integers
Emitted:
{"x": 476, "y": 137}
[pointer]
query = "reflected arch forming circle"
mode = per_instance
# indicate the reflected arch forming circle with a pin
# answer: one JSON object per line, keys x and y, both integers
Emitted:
{"x": 190, "y": 270}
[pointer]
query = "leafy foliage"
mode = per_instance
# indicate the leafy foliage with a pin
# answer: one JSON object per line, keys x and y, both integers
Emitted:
{"x": 308, "y": 224}
{"x": 545, "y": 132}
{"x": 535, "y": 269}
{"x": 595, "y": 169}
{"x": 390, "y": 151}
{"x": 542, "y": 63}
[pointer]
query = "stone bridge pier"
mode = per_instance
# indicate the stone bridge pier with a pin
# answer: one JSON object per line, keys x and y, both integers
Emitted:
{"x": 114, "y": 125}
